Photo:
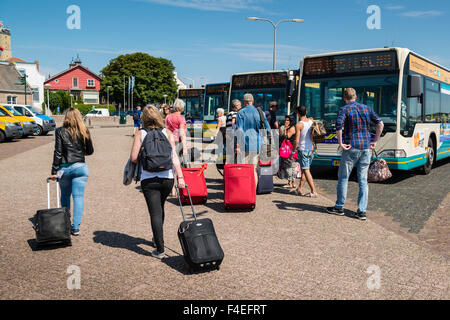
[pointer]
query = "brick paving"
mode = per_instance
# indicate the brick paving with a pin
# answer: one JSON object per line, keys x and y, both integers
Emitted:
{"x": 288, "y": 248}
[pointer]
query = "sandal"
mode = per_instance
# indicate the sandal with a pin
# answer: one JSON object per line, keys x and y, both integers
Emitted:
{"x": 310, "y": 195}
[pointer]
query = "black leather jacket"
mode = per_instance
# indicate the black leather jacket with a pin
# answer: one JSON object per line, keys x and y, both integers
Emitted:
{"x": 69, "y": 151}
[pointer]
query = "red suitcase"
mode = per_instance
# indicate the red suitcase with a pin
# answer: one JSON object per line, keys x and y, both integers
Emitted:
{"x": 239, "y": 186}
{"x": 195, "y": 179}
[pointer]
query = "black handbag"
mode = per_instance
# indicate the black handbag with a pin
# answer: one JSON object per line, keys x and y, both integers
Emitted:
{"x": 52, "y": 225}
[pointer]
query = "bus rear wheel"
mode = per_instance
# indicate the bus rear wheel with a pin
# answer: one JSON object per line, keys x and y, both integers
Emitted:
{"x": 430, "y": 157}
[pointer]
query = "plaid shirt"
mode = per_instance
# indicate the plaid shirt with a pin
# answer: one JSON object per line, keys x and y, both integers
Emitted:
{"x": 355, "y": 119}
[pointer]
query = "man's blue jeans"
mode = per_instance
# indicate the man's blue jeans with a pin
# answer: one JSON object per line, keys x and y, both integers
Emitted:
{"x": 73, "y": 182}
{"x": 349, "y": 159}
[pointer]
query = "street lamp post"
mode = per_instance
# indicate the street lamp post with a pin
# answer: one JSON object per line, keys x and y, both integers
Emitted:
{"x": 71, "y": 96}
{"x": 107, "y": 95}
{"x": 47, "y": 86}
{"x": 275, "y": 26}
{"x": 193, "y": 84}
{"x": 165, "y": 96}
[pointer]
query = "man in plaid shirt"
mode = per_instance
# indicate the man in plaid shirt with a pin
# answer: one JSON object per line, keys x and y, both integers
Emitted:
{"x": 354, "y": 119}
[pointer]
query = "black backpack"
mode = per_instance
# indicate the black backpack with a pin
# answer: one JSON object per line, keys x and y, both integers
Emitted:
{"x": 156, "y": 151}
{"x": 136, "y": 116}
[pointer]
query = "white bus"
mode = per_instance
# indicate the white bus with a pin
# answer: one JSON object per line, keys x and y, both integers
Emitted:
{"x": 410, "y": 93}
{"x": 266, "y": 86}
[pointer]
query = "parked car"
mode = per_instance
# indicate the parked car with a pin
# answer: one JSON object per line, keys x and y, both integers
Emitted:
{"x": 10, "y": 128}
{"x": 29, "y": 126}
{"x": 45, "y": 123}
{"x": 101, "y": 112}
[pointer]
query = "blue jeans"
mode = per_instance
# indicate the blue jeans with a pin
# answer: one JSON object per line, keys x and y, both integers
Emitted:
{"x": 350, "y": 158}
{"x": 73, "y": 182}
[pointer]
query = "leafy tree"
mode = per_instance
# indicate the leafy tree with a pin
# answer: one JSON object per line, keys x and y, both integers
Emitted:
{"x": 59, "y": 99}
{"x": 153, "y": 78}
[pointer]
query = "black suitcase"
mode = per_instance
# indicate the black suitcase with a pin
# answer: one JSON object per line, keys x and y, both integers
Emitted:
{"x": 265, "y": 179}
{"x": 52, "y": 226}
{"x": 199, "y": 242}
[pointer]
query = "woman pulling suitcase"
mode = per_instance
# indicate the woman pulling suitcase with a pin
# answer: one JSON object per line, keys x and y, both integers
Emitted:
{"x": 72, "y": 143}
{"x": 158, "y": 161}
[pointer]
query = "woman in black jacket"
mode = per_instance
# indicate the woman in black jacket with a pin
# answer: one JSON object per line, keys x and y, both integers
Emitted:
{"x": 72, "y": 142}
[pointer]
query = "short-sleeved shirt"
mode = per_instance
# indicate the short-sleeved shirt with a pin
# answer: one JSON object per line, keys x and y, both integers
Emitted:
{"x": 355, "y": 119}
{"x": 139, "y": 113}
{"x": 223, "y": 121}
{"x": 173, "y": 122}
{"x": 230, "y": 116}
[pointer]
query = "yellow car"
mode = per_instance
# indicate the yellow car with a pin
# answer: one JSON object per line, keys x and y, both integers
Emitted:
{"x": 10, "y": 128}
{"x": 29, "y": 126}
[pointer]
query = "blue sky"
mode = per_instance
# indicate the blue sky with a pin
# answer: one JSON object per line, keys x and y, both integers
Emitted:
{"x": 208, "y": 40}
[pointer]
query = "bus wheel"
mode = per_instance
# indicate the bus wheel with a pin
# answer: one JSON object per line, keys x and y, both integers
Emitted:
{"x": 430, "y": 158}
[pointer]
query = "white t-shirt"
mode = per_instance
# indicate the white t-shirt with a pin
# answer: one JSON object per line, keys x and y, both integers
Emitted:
{"x": 306, "y": 143}
{"x": 223, "y": 121}
{"x": 167, "y": 174}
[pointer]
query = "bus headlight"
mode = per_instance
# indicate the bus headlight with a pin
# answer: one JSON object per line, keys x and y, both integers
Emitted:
{"x": 394, "y": 153}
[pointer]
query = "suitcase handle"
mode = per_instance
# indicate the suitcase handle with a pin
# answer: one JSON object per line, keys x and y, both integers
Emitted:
{"x": 57, "y": 193}
{"x": 190, "y": 201}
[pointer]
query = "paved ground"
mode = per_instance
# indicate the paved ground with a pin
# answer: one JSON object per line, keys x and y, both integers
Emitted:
{"x": 288, "y": 248}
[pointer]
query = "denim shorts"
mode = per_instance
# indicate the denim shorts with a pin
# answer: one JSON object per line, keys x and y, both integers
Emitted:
{"x": 305, "y": 157}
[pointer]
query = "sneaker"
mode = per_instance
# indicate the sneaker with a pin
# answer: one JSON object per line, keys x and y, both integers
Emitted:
{"x": 336, "y": 211}
{"x": 158, "y": 255}
{"x": 75, "y": 232}
{"x": 360, "y": 215}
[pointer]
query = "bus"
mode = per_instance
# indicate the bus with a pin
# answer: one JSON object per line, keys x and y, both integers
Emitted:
{"x": 266, "y": 86}
{"x": 193, "y": 108}
{"x": 216, "y": 96}
{"x": 409, "y": 92}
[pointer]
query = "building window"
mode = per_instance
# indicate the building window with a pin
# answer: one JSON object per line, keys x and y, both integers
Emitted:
{"x": 75, "y": 82}
{"x": 12, "y": 99}
{"x": 90, "y": 82}
{"x": 36, "y": 94}
{"x": 56, "y": 80}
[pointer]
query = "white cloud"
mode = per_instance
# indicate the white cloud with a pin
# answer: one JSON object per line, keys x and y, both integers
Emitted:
{"x": 395, "y": 7}
{"x": 422, "y": 14}
{"x": 212, "y": 5}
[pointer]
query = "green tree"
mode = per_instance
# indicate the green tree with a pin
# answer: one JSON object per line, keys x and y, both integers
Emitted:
{"x": 153, "y": 78}
{"x": 59, "y": 99}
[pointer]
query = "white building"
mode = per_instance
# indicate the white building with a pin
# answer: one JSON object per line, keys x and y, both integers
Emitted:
{"x": 34, "y": 79}
{"x": 180, "y": 84}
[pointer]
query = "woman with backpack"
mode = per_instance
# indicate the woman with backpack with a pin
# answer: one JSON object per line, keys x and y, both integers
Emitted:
{"x": 72, "y": 143}
{"x": 158, "y": 161}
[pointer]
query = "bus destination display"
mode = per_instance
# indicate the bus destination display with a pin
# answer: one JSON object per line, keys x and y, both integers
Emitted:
{"x": 187, "y": 93}
{"x": 260, "y": 80}
{"x": 217, "y": 88}
{"x": 351, "y": 63}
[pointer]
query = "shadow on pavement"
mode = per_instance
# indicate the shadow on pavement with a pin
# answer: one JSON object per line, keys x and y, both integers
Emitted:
{"x": 35, "y": 247}
{"x": 124, "y": 241}
{"x": 282, "y": 205}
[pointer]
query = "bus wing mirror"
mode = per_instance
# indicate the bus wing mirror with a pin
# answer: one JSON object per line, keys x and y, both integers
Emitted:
{"x": 414, "y": 89}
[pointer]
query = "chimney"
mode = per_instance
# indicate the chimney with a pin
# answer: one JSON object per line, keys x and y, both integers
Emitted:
{"x": 37, "y": 64}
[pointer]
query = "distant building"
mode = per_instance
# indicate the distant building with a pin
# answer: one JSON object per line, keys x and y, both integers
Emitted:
{"x": 5, "y": 43}
{"x": 34, "y": 79}
{"x": 11, "y": 91}
{"x": 180, "y": 84}
{"x": 79, "y": 81}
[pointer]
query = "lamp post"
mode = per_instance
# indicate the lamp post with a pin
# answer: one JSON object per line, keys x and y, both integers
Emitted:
{"x": 275, "y": 26}
{"x": 71, "y": 96}
{"x": 165, "y": 96}
{"x": 47, "y": 86}
{"x": 107, "y": 95}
